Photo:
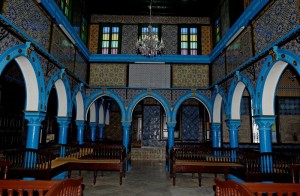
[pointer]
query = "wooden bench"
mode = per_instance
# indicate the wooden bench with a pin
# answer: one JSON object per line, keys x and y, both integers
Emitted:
{"x": 295, "y": 170}
{"x": 233, "y": 188}
{"x": 41, "y": 187}
{"x": 41, "y": 165}
{"x": 95, "y": 158}
{"x": 201, "y": 160}
{"x": 256, "y": 171}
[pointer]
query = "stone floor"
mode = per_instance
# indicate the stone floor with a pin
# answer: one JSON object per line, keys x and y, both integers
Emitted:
{"x": 146, "y": 178}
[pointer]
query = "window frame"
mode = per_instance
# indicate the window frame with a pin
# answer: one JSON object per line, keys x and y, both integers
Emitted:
{"x": 198, "y": 43}
{"x": 110, "y": 26}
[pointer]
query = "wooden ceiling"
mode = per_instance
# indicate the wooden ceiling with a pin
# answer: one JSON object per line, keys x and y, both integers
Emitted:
{"x": 191, "y": 8}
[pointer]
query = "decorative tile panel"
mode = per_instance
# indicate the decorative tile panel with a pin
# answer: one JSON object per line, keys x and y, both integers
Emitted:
{"x": 277, "y": 20}
{"x": 7, "y": 40}
{"x": 129, "y": 38}
{"x": 190, "y": 123}
{"x": 293, "y": 45}
{"x": 206, "y": 40}
{"x": 108, "y": 74}
{"x": 218, "y": 68}
{"x": 190, "y": 76}
{"x": 93, "y": 38}
{"x": 81, "y": 67}
{"x": 114, "y": 131}
{"x": 239, "y": 51}
{"x": 29, "y": 18}
{"x": 169, "y": 36}
{"x": 62, "y": 49}
{"x": 145, "y": 19}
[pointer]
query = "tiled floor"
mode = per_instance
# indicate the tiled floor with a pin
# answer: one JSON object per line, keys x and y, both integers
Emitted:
{"x": 146, "y": 178}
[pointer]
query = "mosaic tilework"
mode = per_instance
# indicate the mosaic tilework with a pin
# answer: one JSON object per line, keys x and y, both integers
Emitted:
{"x": 190, "y": 123}
{"x": 145, "y": 19}
{"x": 81, "y": 67}
{"x": 129, "y": 38}
{"x": 166, "y": 93}
{"x": 190, "y": 76}
{"x": 151, "y": 126}
{"x": 132, "y": 92}
{"x": 218, "y": 68}
{"x": 239, "y": 51}
{"x": 293, "y": 46}
{"x": 207, "y": 93}
{"x": 62, "y": 49}
{"x": 108, "y": 74}
{"x": 178, "y": 93}
{"x": 7, "y": 40}
{"x": 93, "y": 38}
{"x": 288, "y": 87}
{"x": 121, "y": 93}
{"x": 169, "y": 36}
{"x": 206, "y": 40}
{"x": 252, "y": 72}
{"x": 114, "y": 131}
{"x": 28, "y": 17}
{"x": 280, "y": 18}
{"x": 49, "y": 69}
{"x": 151, "y": 153}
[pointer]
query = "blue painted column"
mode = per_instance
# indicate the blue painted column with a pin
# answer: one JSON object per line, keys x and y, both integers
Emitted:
{"x": 171, "y": 129}
{"x": 93, "y": 126}
{"x": 216, "y": 135}
{"x": 265, "y": 139}
{"x": 126, "y": 132}
{"x": 62, "y": 139}
{"x": 80, "y": 131}
{"x": 34, "y": 127}
{"x": 101, "y": 131}
{"x": 233, "y": 126}
{"x": 63, "y": 132}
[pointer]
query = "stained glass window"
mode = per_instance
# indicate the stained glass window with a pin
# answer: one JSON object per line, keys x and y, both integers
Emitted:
{"x": 110, "y": 39}
{"x": 189, "y": 40}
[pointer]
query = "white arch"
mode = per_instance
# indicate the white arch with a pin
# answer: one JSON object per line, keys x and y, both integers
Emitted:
{"x": 80, "y": 106}
{"x": 93, "y": 112}
{"x": 62, "y": 98}
{"x": 101, "y": 114}
{"x": 217, "y": 109}
{"x": 270, "y": 87}
{"x": 32, "y": 88}
{"x": 236, "y": 101}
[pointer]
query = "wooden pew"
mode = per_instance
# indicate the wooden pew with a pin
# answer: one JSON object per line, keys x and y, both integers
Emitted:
{"x": 93, "y": 158}
{"x": 201, "y": 160}
{"x": 295, "y": 170}
{"x": 255, "y": 171}
{"x": 233, "y": 188}
{"x": 41, "y": 187}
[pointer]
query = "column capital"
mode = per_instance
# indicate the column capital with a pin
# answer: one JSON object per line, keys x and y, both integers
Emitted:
{"x": 233, "y": 123}
{"x": 126, "y": 123}
{"x": 63, "y": 120}
{"x": 34, "y": 117}
{"x": 171, "y": 124}
{"x": 93, "y": 124}
{"x": 264, "y": 121}
{"x": 80, "y": 122}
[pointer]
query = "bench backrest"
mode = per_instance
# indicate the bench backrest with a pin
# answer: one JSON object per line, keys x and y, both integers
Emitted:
{"x": 232, "y": 188}
{"x": 202, "y": 154}
{"x": 29, "y": 158}
{"x": 41, "y": 187}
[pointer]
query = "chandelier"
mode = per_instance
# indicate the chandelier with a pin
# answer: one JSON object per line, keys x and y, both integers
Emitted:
{"x": 149, "y": 45}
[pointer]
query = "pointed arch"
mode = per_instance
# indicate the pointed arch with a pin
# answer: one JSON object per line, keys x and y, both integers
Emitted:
{"x": 78, "y": 100}
{"x": 190, "y": 95}
{"x": 269, "y": 77}
{"x": 30, "y": 67}
{"x": 100, "y": 93}
{"x": 61, "y": 83}
{"x": 217, "y": 98}
{"x": 144, "y": 94}
{"x": 236, "y": 89}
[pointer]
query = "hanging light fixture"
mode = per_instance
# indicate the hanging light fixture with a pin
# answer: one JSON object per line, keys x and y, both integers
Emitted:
{"x": 149, "y": 45}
